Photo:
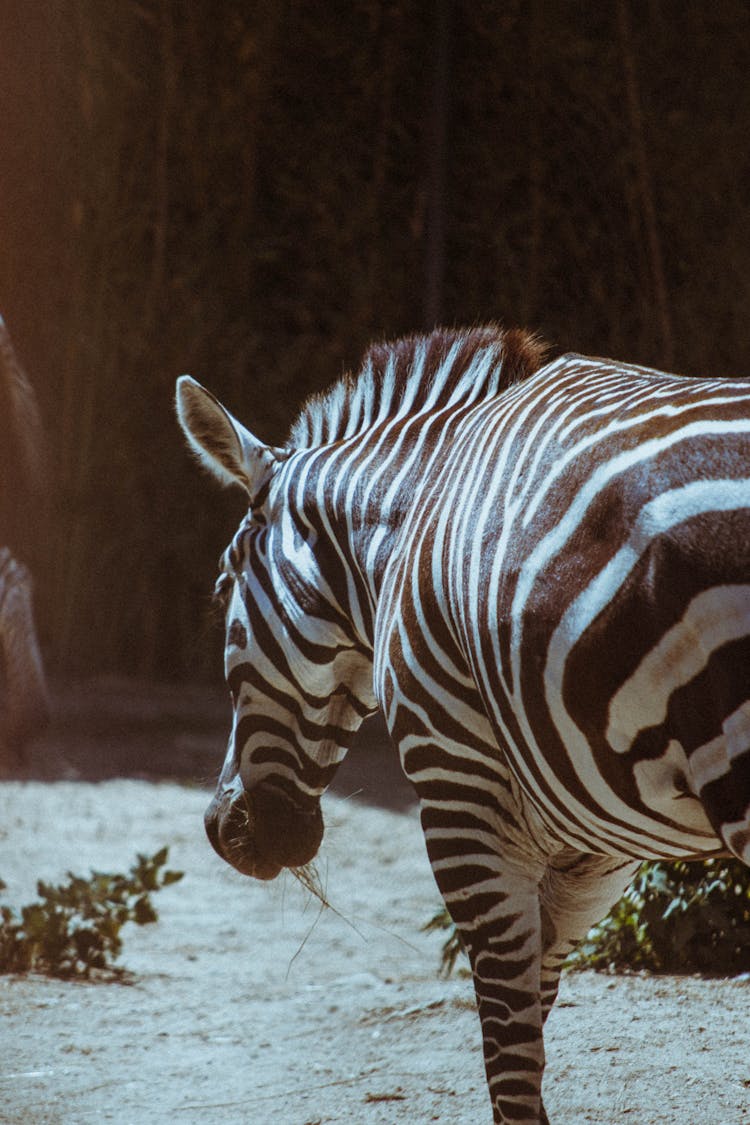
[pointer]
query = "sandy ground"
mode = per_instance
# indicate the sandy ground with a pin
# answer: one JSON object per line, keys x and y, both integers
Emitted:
{"x": 251, "y": 1005}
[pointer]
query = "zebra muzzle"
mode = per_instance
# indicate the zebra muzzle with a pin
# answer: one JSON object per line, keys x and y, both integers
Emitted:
{"x": 259, "y": 831}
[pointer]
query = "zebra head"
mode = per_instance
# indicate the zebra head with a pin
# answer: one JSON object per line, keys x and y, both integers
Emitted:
{"x": 299, "y": 675}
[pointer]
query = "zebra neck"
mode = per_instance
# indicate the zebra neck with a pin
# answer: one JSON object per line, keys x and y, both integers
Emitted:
{"x": 353, "y": 501}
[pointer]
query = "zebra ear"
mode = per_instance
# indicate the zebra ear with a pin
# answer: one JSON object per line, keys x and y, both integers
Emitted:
{"x": 222, "y": 444}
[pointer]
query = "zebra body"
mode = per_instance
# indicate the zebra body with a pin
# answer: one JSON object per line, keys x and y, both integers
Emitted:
{"x": 24, "y": 707}
{"x": 541, "y": 576}
{"x": 24, "y": 701}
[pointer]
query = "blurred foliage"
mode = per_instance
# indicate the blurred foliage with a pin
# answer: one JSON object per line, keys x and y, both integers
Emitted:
{"x": 245, "y": 192}
{"x": 675, "y": 917}
{"x": 73, "y": 931}
{"x": 453, "y": 946}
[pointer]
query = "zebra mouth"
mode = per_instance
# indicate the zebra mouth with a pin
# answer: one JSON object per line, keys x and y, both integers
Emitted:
{"x": 259, "y": 831}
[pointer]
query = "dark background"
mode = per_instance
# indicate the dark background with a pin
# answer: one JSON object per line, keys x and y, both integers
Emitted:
{"x": 252, "y": 191}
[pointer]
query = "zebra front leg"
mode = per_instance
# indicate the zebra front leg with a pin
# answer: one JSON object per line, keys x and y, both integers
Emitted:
{"x": 496, "y": 909}
{"x": 576, "y": 892}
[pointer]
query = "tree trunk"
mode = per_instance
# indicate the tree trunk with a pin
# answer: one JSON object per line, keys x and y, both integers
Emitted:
{"x": 645, "y": 186}
{"x": 437, "y": 168}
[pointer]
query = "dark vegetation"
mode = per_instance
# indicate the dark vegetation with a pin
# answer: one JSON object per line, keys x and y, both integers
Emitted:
{"x": 676, "y": 917}
{"x": 73, "y": 930}
{"x": 252, "y": 192}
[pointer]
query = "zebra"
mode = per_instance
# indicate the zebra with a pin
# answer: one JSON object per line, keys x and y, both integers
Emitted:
{"x": 24, "y": 709}
{"x": 539, "y": 571}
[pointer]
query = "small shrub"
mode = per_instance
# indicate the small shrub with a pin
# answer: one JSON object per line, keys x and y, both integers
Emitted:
{"x": 453, "y": 947}
{"x": 73, "y": 931}
{"x": 675, "y": 917}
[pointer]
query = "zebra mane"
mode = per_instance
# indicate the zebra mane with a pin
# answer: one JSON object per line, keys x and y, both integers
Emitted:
{"x": 418, "y": 372}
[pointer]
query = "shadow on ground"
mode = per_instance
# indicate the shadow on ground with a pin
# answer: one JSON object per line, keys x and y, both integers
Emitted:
{"x": 111, "y": 727}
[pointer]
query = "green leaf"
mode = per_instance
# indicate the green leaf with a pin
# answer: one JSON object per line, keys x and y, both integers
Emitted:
{"x": 143, "y": 911}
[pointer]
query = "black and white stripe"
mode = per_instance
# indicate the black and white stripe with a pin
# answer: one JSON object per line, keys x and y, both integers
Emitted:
{"x": 24, "y": 702}
{"x": 541, "y": 575}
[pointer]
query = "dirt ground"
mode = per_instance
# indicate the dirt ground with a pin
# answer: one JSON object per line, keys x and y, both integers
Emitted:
{"x": 250, "y": 1004}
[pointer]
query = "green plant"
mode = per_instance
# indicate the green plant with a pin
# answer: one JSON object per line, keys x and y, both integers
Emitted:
{"x": 675, "y": 917}
{"x": 453, "y": 947}
{"x": 73, "y": 931}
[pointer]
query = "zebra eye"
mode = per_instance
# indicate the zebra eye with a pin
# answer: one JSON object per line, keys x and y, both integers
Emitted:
{"x": 237, "y": 635}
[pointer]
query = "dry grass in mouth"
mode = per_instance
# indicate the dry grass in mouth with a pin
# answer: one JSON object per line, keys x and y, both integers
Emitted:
{"x": 309, "y": 878}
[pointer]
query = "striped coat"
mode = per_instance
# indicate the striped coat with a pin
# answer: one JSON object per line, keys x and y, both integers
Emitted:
{"x": 24, "y": 701}
{"x": 541, "y": 575}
